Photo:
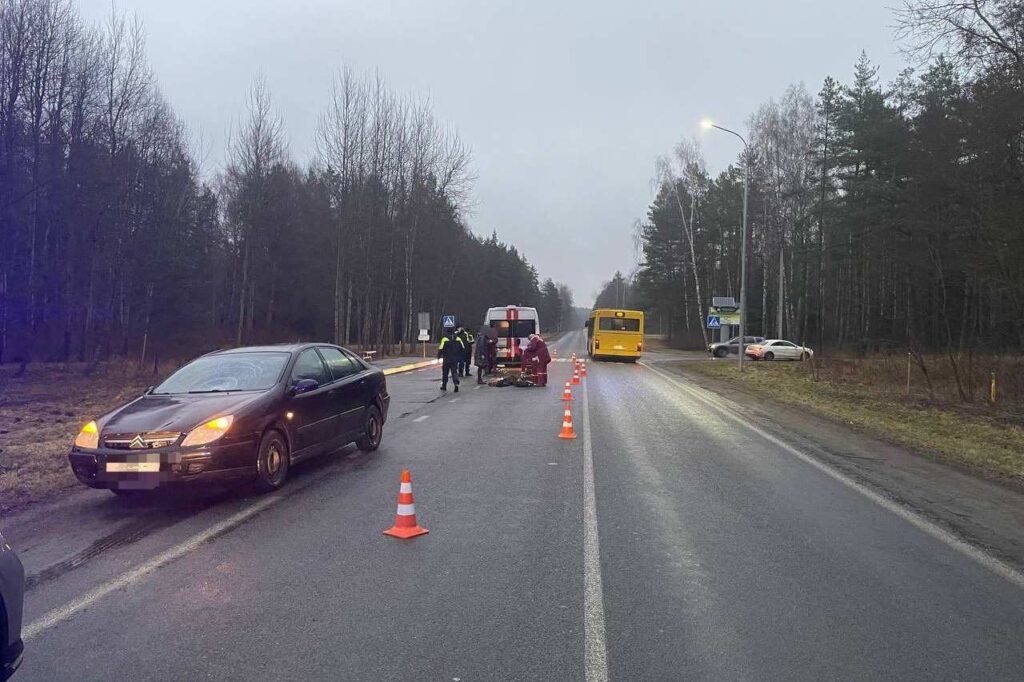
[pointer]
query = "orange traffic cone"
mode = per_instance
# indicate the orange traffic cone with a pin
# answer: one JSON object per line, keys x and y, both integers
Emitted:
{"x": 567, "y": 430}
{"x": 575, "y": 377}
{"x": 567, "y": 394}
{"x": 405, "y": 518}
{"x": 583, "y": 369}
{"x": 574, "y": 358}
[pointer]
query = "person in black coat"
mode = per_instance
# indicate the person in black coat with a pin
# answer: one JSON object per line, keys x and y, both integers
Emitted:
{"x": 467, "y": 359}
{"x": 484, "y": 343}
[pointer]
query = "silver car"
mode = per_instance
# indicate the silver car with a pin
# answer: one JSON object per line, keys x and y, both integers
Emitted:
{"x": 12, "y": 597}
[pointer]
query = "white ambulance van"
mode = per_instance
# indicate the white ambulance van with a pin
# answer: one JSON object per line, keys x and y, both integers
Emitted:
{"x": 513, "y": 324}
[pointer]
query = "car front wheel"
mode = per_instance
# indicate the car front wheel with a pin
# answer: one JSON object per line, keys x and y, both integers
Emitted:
{"x": 721, "y": 352}
{"x": 373, "y": 430}
{"x": 273, "y": 462}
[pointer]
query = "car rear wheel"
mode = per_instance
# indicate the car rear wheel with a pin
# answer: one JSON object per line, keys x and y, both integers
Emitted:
{"x": 373, "y": 430}
{"x": 769, "y": 355}
{"x": 273, "y": 462}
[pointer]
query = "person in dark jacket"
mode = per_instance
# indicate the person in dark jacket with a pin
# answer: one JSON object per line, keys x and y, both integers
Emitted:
{"x": 492, "y": 353}
{"x": 467, "y": 357}
{"x": 484, "y": 342}
{"x": 451, "y": 350}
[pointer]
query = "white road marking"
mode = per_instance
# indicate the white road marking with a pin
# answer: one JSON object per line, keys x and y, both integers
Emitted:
{"x": 477, "y": 388}
{"x": 62, "y": 613}
{"x": 729, "y": 409}
{"x": 455, "y": 400}
{"x": 595, "y": 656}
{"x": 419, "y": 419}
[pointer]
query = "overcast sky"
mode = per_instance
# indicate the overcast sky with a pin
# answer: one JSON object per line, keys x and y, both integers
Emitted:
{"x": 566, "y": 105}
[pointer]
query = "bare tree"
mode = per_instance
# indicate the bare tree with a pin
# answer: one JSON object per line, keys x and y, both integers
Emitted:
{"x": 974, "y": 32}
{"x": 255, "y": 146}
{"x": 691, "y": 169}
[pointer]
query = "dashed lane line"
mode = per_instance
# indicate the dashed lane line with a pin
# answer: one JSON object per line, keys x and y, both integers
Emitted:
{"x": 419, "y": 419}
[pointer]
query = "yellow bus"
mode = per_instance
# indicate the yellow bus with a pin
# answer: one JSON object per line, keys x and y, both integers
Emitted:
{"x": 615, "y": 334}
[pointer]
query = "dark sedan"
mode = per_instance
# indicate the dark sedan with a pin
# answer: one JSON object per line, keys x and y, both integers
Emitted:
{"x": 12, "y": 596}
{"x": 234, "y": 414}
{"x": 723, "y": 348}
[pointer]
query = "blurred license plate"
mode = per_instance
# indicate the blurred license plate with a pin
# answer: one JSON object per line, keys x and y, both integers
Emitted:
{"x": 132, "y": 467}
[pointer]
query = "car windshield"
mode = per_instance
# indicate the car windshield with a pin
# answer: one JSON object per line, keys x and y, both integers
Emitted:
{"x": 226, "y": 372}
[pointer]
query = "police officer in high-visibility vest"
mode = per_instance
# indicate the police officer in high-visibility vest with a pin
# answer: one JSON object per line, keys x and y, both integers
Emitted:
{"x": 451, "y": 351}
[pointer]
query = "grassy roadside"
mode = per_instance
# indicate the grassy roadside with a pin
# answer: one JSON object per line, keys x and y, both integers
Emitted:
{"x": 41, "y": 412}
{"x": 986, "y": 444}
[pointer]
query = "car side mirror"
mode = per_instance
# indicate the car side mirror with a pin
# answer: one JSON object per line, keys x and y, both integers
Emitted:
{"x": 586, "y": 324}
{"x": 149, "y": 390}
{"x": 303, "y": 386}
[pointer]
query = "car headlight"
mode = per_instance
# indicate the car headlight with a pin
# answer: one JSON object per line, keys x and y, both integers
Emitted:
{"x": 88, "y": 437}
{"x": 208, "y": 432}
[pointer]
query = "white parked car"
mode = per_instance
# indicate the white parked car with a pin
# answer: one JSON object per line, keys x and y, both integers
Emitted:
{"x": 778, "y": 349}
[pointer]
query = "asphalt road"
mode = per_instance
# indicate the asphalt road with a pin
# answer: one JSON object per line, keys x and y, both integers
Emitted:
{"x": 668, "y": 541}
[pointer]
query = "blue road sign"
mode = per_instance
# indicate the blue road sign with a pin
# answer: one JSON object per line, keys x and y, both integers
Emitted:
{"x": 714, "y": 322}
{"x": 447, "y": 320}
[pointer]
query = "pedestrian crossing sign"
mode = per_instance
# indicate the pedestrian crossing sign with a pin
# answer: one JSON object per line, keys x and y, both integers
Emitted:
{"x": 447, "y": 320}
{"x": 714, "y": 322}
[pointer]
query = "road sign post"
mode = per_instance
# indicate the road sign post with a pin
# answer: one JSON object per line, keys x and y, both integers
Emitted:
{"x": 424, "y": 337}
{"x": 724, "y": 308}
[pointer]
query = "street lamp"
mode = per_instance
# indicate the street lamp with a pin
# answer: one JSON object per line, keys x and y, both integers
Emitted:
{"x": 707, "y": 124}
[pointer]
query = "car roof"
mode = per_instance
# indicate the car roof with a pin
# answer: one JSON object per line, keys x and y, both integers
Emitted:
{"x": 277, "y": 347}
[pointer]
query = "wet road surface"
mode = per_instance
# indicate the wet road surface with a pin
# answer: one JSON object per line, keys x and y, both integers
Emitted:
{"x": 668, "y": 541}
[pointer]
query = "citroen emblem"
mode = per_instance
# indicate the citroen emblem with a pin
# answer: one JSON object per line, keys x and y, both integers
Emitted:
{"x": 137, "y": 443}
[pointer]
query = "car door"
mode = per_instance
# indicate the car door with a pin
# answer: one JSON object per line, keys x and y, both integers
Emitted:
{"x": 314, "y": 414}
{"x": 349, "y": 391}
{"x": 784, "y": 350}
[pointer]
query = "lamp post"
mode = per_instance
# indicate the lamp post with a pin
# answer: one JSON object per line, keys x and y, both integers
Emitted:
{"x": 706, "y": 124}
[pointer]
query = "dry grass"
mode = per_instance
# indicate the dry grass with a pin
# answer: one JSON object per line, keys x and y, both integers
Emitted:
{"x": 870, "y": 393}
{"x": 41, "y": 412}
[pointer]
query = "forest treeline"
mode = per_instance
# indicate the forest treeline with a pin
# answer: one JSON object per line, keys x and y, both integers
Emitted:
{"x": 113, "y": 242}
{"x": 879, "y": 215}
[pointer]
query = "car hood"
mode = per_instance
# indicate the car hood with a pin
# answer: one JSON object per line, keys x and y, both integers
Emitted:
{"x": 174, "y": 412}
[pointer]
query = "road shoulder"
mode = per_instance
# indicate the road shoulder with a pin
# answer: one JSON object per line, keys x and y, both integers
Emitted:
{"x": 985, "y": 514}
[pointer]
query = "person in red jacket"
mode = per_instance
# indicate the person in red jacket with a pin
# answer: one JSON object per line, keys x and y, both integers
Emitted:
{"x": 536, "y": 360}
